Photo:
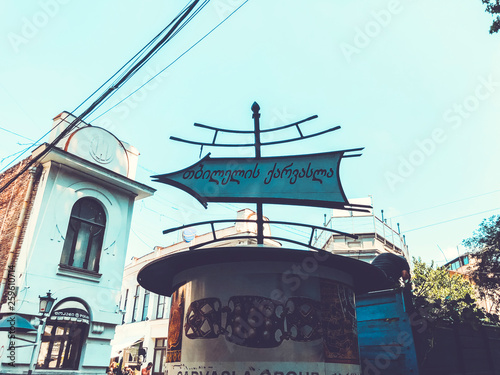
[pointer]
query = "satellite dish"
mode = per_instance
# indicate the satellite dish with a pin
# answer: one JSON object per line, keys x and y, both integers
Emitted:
{"x": 188, "y": 234}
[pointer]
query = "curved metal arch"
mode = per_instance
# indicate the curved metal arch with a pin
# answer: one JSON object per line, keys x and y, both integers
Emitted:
{"x": 301, "y": 137}
{"x": 251, "y": 131}
{"x": 212, "y": 222}
{"x": 201, "y": 245}
{"x": 309, "y": 245}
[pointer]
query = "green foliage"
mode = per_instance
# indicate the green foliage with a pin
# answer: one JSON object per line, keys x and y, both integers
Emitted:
{"x": 443, "y": 298}
{"x": 485, "y": 244}
{"x": 493, "y": 7}
{"x": 437, "y": 283}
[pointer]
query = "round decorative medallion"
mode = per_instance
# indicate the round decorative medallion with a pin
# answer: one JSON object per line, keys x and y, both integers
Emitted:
{"x": 100, "y": 150}
{"x": 99, "y": 146}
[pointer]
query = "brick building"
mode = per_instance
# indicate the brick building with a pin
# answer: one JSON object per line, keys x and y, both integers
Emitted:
{"x": 17, "y": 199}
{"x": 64, "y": 227}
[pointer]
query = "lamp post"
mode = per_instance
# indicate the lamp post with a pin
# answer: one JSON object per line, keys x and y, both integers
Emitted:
{"x": 46, "y": 303}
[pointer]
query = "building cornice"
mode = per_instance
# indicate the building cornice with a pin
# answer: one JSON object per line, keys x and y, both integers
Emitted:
{"x": 140, "y": 191}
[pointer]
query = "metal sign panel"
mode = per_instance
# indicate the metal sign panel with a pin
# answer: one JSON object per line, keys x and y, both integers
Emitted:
{"x": 311, "y": 180}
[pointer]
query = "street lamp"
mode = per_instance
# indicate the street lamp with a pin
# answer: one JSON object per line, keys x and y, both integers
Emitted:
{"x": 15, "y": 323}
{"x": 46, "y": 303}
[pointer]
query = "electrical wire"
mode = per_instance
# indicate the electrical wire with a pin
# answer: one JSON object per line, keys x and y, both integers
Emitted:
{"x": 130, "y": 72}
{"x": 19, "y": 135}
{"x": 177, "y": 30}
{"x": 445, "y": 204}
{"x": 143, "y": 57}
{"x": 133, "y": 58}
{"x": 140, "y": 239}
{"x": 129, "y": 62}
{"x": 172, "y": 63}
{"x": 455, "y": 218}
{"x": 161, "y": 215}
{"x": 22, "y": 152}
{"x": 14, "y": 154}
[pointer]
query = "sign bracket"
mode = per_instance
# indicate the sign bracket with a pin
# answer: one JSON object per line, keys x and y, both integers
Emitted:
{"x": 244, "y": 179}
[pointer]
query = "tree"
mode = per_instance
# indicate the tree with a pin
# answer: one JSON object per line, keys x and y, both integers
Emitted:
{"x": 493, "y": 7}
{"x": 437, "y": 283}
{"x": 485, "y": 244}
{"x": 443, "y": 297}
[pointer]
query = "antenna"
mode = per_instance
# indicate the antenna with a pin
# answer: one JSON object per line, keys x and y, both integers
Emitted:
{"x": 442, "y": 252}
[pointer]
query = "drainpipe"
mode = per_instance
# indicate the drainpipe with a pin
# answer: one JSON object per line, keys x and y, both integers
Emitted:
{"x": 17, "y": 234}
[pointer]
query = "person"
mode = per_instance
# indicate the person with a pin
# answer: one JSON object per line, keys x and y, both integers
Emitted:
{"x": 147, "y": 370}
{"x": 111, "y": 368}
{"x": 396, "y": 267}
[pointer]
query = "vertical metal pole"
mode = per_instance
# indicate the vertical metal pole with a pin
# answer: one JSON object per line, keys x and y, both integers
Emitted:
{"x": 374, "y": 224}
{"x": 256, "y": 123}
{"x": 36, "y": 346}
{"x": 260, "y": 225}
{"x": 383, "y": 227}
{"x": 392, "y": 232}
{"x": 260, "y": 217}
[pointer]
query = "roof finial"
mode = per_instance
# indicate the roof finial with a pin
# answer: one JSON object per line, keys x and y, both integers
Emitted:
{"x": 255, "y": 107}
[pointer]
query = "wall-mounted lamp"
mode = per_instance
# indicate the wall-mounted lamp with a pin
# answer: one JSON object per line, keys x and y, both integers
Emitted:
{"x": 46, "y": 303}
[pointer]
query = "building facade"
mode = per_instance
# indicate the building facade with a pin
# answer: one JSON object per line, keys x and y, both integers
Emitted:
{"x": 64, "y": 229}
{"x": 465, "y": 265}
{"x": 375, "y": 235}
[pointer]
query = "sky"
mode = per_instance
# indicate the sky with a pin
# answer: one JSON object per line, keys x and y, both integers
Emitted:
{"x": 414, "y": 82}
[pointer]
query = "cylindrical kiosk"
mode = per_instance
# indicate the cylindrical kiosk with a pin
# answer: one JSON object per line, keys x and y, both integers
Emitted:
{"x": 260, "y": 310}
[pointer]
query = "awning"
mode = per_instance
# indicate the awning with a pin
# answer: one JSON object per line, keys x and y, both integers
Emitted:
{"x": 15, "y": 323}
{"x": 73, "y": 311}
{"x": 126, "y": 342}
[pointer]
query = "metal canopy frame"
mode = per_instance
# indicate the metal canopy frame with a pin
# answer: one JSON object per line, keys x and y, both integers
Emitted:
{"x": 257, "y": 143}
{"x": 212, "y": 223}
{"x": 261, "y": 200}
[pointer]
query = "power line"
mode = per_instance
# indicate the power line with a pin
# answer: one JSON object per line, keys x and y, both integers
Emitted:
{"x": 19, "y": 135}
{"x": 445, "y": 204}
{"x": 22, "y": 152}
{"x": 172, "y": 63}
{"x": 14, "y": 154}
{"x": 122, "y": 69}
{"x": 140, "y": 62}
{"x": 140, "y": 239}
{"x": 115, "y": 86}
{"x": 456, "y": 218}
{"x": 133, "y": 59}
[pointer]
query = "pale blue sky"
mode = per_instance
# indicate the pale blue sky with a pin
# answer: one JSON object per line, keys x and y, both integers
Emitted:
{"x": 400, "y": 77}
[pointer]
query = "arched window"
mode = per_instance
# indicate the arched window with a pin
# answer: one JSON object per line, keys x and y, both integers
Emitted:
{"x": 64, "y": 336}
{"x": 83, "y": 242}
